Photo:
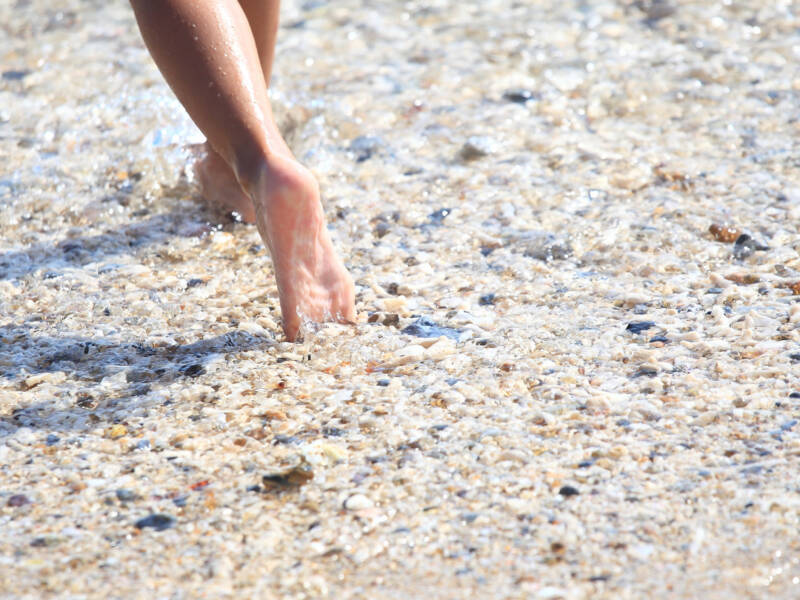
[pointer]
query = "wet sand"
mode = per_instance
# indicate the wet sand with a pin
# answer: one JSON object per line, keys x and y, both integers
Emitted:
{"x": 563, "y": 384}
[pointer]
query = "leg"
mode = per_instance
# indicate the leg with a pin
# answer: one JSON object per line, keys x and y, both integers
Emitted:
{"x": 206, "y": 52}
{"x": 217, "y": 182}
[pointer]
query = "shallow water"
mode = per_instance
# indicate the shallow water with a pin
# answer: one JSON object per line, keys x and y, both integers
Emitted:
{"x": 141, "y": 329}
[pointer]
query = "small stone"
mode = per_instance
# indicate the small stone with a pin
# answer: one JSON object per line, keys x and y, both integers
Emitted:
{"x": 486, "y": 300}
{"x": 656, "y": 10}
{"x": 54, "y": 378}
{"x": 568, "y": 490}
{"x": 159, "y": 522}
{"x": 743, "y": 279}
{"x": 18, "y": 500}
{"x": 116, "y": 431}
{"x": 15, "y": 75}
{"x": 474, "y": 148}
{"x": 194, "y": 282}
{"x": 545, "y": 247}
{"x": 518, "y": 95}
{"x": 384, "y": 382}
{"x": 52, "y": 439}
{"x": 745, "y": 246}
{"x": 391, "y": 320}
{"x": 724, "y": 233}
{"x": 357, "y": 502}
{"x": 47, "y": 541}
{"x": 795, "y": 287}
{"x": 124, "y": 495}
{"x": 290, "y": 478}
{"x": 645, "y": 371}
{"x": 194, "y": 370}
{"x": 437, "y": 217}
{"x": 364, "y": 147}
{"x": 425, "y": 328}
{"x": 639, "y": 326}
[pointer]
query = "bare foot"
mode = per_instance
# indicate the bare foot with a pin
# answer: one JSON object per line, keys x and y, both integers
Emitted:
{"x": 219, "y": 186}
{"x": 313, "y": 284}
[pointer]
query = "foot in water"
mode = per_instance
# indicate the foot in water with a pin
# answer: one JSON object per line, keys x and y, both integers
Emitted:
{"x": 313, "y": 284}
{"x": 219, "y": 186}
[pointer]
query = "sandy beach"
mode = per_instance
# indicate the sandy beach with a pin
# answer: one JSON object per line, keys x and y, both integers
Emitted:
{"x": 573, "y": 230}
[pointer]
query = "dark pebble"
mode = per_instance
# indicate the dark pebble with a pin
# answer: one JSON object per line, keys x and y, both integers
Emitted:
{"x": 18, "y": 500}
{"x": 469, "y": 517}
{"x": 124, "y": 495}
{"x": 383, "y": 382}
{"x": 193, "y": 370}
{"x": 159, "y": 522}
{"x": 15, "y": 75}
{"x": 392, "y": 288}
{"x": 585, "y": 464}
{"x": 639, "y": 326}
{"x": 438, "y": 217}
{"x": 52, "y": 439}
{"x": 425, "y": 328}
{"x": 795, "y": 357}
{"x": 382, "y": 228}
{"x": 285, "y": 439}
{"x": 714, "y": 290}
{"x": 254, "y": 488}
{"x": 47, "y": 541}
{"x": 180, "y": 501}
{"x": 794, "y": 395}
{"x": 391, "y": 320}
{"x": 51, "y": 275}
{"x": 333, "y": 432}
{"x": 486, "y": 300}
{"x": 745, "y": 246}
{"x": 519, "y": 96}
{"x": 623, "y": 422}
{"x": 659, "y": 9}
{"x": 568, "y": 490}
{"x": 364, "y": 147}
{"x": 659, "y": 338}
{"x": 194, "y": 283}
{"x": 473, "y": 150}
{"x": 291, "y": 478}
{"x": 487, "y": 250}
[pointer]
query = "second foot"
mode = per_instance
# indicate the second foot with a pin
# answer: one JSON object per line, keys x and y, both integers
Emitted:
{"x": 219, "y": 187}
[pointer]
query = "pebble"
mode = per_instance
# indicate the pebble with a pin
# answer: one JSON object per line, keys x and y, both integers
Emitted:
{"x": 357, "y": 502}
{"x": 518, "y": 95}
{"x": 364, "y": 147}
{"x": 568, "y": 490}
{"x": 475, "y": 147}
{"x": 424, "y": 327}
{"x": 639, "y": 326}
{"x": 745, "y": 246}
{"x": 124, "y": 495}
{"x": 159, "y": 522}
{"x": 724, "y": 233}
{"x": 290, "y": 478}
{"x": 18, "y": 500}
